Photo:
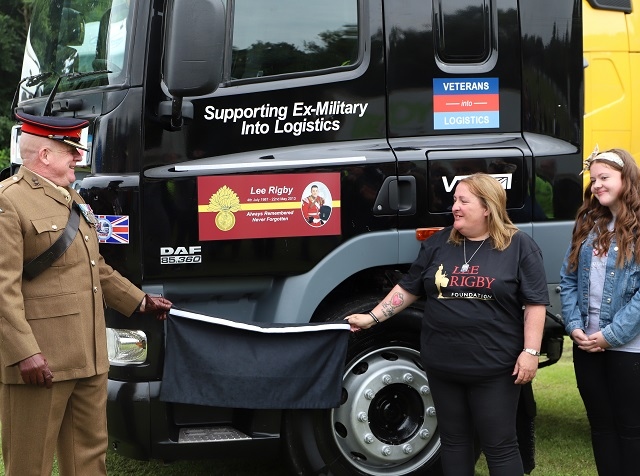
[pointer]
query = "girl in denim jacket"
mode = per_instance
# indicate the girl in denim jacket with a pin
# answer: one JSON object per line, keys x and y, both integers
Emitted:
{"x": 601, "y": 309}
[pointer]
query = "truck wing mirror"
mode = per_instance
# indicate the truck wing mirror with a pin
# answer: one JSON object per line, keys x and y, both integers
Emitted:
{"x": 193, "y": 46}
{"x": 193, "y": 50}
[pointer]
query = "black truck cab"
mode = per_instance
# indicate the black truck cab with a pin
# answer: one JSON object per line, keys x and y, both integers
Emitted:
{"x": 269, "y": 162}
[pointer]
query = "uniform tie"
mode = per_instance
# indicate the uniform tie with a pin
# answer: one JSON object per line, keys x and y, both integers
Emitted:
{"x": 65, "y": 193}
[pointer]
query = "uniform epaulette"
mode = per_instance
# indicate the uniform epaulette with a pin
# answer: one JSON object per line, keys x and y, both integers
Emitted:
{"x": 6, "y": 183}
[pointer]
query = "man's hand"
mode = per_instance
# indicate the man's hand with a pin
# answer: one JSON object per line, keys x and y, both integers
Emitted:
{"x": 157, "y": 305}
{"x": 35, "y": 371}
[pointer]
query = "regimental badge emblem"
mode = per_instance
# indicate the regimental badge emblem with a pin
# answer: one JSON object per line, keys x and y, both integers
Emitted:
{"x": 225, "y": 201}
{"x": 87, "y": 213}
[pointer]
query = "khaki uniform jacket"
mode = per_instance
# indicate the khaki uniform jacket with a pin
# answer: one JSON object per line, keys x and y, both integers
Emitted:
{"x": 60, "y": 313}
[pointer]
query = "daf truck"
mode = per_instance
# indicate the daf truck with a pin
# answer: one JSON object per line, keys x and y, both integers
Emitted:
{"x": 214, "y": 125}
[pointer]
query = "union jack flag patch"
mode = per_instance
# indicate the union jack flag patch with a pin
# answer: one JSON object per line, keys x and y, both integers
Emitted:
{"x": 113, "y": 229}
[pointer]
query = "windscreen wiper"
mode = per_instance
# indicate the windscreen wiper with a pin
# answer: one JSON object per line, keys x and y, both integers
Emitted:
{"x": 31, "y": 81}
{"x": 39, "y": 78}
{"x": 70, "y": 77}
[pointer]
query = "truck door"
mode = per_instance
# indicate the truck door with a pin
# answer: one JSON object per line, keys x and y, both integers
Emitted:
{"x": 461, "y": 90}
{"x": 302, "y": 103}
{"x": 453, "y": 99}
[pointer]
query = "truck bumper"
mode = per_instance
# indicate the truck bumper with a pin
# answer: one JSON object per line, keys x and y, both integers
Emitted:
{"x": 142, "y": 427}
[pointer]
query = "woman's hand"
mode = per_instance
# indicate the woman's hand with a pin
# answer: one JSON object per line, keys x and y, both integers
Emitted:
{"x": 588, "y": 343}
{"x": 397, "y": 300}
{"x": 359, "y": 321}
{"x": 601, "y": 343}
{"x": 525, "y": 368}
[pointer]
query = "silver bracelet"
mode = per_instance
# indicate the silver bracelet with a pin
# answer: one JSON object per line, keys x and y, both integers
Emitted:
{"x": 532, "y": 352}
{"x": 374, "y": 317}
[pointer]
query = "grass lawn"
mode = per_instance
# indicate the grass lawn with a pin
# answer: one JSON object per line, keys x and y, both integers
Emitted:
{"x": 563, "y": 445}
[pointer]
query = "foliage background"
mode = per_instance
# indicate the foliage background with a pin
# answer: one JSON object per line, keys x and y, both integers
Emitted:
{"x": 14, "y": 15}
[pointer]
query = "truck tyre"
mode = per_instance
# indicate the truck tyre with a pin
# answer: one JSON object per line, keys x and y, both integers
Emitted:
{"x": 386, "y": 424}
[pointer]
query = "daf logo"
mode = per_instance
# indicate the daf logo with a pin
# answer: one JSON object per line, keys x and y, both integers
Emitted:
{"x": 180, "y": 250}
{"x": 504, "y": 179}
{"x": 180, "y": 255}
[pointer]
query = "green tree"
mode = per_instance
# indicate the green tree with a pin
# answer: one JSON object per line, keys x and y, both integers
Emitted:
{"x": 14, "y": 16}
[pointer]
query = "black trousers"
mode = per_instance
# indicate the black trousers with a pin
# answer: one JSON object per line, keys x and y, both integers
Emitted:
{"x": 609, "y": 384}
{"x": 486, "y": 405}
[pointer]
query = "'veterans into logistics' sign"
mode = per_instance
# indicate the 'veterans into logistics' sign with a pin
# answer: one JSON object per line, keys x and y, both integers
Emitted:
{"x": 468, "y": 103}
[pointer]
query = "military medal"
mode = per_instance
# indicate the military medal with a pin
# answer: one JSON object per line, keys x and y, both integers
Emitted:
{"x": 87, "y": 213}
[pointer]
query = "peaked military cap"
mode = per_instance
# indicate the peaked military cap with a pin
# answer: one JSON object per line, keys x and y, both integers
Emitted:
{"x": 62, "y": 129}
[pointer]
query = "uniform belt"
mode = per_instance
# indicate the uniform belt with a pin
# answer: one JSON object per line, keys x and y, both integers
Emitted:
{"x": 37, "y": 265}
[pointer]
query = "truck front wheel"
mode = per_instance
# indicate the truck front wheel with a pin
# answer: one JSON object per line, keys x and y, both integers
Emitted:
{"x": 386, "y": 423}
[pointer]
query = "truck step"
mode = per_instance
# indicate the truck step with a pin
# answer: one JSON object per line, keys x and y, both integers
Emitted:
{"x": 209, "y": 434}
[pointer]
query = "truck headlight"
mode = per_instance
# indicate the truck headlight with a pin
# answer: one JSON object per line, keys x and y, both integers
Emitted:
{"x": 126, "y": 346}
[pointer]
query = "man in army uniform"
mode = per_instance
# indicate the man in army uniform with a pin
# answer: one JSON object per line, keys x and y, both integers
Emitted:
{"x": 53, "y": 353}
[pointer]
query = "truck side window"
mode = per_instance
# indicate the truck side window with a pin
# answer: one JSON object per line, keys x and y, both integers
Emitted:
{"x": 273, "y": 37}
{"x": 476, "y": 18}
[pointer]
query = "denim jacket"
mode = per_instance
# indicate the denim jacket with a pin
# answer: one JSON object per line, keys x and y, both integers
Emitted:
{"x": 620, "y": 307}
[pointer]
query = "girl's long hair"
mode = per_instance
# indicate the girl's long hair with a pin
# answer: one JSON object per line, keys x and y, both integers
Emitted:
{"x": 494, "y": 198}
{"x": 596, "y": 217}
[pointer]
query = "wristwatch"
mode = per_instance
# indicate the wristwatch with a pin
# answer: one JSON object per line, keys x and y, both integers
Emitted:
{"x": 532, "y": 352}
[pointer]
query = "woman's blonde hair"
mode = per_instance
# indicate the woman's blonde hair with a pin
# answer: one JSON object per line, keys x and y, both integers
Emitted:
{"x": 494, "y": 198}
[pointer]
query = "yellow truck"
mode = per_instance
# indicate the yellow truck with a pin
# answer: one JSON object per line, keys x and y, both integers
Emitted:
{"x": 611, "y": 33}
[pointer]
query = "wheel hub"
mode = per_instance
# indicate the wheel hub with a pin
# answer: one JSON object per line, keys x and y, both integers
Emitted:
{"x": 387, "y": 418}
{"x": 396, "y": 413}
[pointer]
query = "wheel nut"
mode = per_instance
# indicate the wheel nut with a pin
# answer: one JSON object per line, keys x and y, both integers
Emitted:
{"x": 424, "y": 390}
{"x": 407, "y": 449}
{"x": 431, "y": 411}
{"x": 369, "y": 394}
{"x": 362, "y": 416}
{"x": 386, "y": 379}
{"x": 368, "y": 438}
{"x": 408, "y": 378}
{"x": 424, "y": 434}
{"x": 386, "y": 451}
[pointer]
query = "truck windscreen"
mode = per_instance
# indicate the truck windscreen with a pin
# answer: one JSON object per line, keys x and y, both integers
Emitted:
{"x": 77, "y": 36}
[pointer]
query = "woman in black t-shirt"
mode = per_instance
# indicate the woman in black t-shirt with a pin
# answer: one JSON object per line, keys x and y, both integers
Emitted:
{"x": 477, "y": 345}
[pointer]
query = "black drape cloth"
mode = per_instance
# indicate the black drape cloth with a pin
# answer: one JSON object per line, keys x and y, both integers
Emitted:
{"x": 217, "y": 362}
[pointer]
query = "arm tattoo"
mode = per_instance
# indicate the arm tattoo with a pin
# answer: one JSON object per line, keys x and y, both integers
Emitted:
{"x": 389, "y": 308}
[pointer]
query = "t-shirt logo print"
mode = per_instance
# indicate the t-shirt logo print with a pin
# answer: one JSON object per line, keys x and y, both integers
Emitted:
{"x": 441, "y": 280}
